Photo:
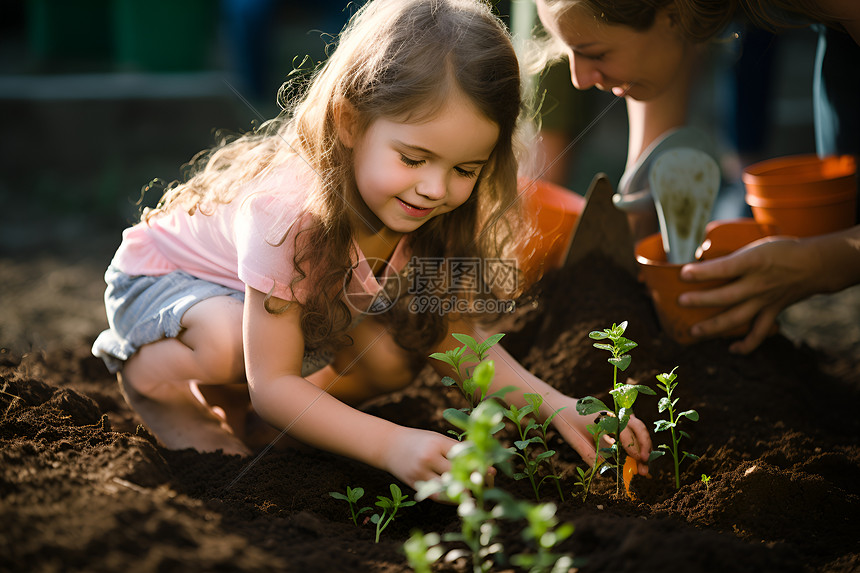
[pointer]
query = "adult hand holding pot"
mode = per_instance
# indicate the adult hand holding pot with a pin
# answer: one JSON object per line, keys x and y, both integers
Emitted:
{"x": 769, "y": 275}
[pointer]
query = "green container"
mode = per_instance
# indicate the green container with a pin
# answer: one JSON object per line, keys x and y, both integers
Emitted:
{"x": 63, "y": 30}
{"x": 164, "y": 35}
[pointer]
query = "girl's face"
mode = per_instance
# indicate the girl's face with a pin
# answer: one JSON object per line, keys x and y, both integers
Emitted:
{"x": 617, "y": 58}
{"x": 409, "y": 173}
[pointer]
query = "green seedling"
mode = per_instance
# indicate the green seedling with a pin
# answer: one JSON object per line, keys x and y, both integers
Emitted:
{"x": 474, "y": 381}
{"x": 524, "y": 419}
{"x": 423, "y": 550}
{"x": 544, "y": 531}
{"x": 481, "y": 506}
{"x": 666, "y": 382}
{"x": 623, "y": 396}
{"x": 585, "y": 477}
{"x": 389, "y": 506}
{"x": 352, "y": 496}
{"x": 706, "y": 479}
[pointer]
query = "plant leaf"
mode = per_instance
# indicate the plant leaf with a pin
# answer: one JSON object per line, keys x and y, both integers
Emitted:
{"x": 691, "y": 414}
{"x": 457, "y": 418}
{"x": 625, "y": 395}
{"x": 465, "y": 339}
{"x": 608, "y": 424}
{"x": 501, "y": 392}
{"x": 654, "y": 455}
{"x": 661, "y": 425}
{"x": 448, "y": 381}
{"x": 590, "y": 405}
{"x": 621, "y": 362}
{"x": 663, "y": 404}
{"x": 523, "y": 444}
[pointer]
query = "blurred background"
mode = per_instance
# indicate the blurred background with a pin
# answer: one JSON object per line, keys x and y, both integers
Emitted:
{"x": 98, "y": 97}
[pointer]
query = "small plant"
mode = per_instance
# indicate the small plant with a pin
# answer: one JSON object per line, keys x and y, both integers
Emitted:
{"x": 524, "y": 420}
{"x": 585, "y": 477}
{"x": 706, "y": 479}
{"x": 475, "y": 382}
{"x": 389, "y": 508}
{"x": 352, "y": 496}
{"x": 388, "y": 505}
{"x": 544, "y": 531}
{"x": 423, "y": 550}
{"x": 481, "y": 506}
{"x": 623, "y": 396}
{"x": 666, "y": 382}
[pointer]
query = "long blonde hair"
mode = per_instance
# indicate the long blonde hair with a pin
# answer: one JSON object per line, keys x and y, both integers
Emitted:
{"x": 397, "y": 59}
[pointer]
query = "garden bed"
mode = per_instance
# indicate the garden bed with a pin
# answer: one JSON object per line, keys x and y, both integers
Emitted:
{"x": 82, "y": 488}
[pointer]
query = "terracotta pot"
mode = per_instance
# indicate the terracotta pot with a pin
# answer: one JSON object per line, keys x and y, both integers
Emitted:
{"x": 664, "y": 283}
{"x": 554, "y": 210}
{"x": 727, "y": 236}
{"x": 803, "y": 195}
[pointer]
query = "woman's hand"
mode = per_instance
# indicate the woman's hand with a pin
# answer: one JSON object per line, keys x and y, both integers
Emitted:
{"x": 415, "y": 455}
{"x": 573, "y": 427}
{"x": 768, "y": 276}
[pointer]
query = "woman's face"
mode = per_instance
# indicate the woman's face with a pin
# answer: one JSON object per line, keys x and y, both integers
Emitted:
{"x": 617, "y": 58}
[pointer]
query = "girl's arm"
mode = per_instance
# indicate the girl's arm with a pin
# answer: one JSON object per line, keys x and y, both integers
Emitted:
{"x": 274, "y": 348}
{"x": 572, "y": 426}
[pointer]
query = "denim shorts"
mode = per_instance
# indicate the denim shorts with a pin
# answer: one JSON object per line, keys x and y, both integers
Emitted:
{"x": 144, "y": 309}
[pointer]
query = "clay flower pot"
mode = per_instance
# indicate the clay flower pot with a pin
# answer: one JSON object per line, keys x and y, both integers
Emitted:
{"x": 727, "y": 236}
{"x": 663, "y": 279}
{"x": 803, "y": 195}
{"x": 554, "y": 210}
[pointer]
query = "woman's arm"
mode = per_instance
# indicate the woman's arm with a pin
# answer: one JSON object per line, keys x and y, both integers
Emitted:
{"x": 274, "y": 348}
{"x": 770, "y": 275}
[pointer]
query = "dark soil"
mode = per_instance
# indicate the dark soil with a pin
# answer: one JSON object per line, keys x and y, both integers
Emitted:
{"x": 83, "y": 488}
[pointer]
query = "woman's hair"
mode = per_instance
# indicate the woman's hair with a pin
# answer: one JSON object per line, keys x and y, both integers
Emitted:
{"x": 395, "y": 59}
{"x": 774, "y": 15}
{"x": 697, "y": 20}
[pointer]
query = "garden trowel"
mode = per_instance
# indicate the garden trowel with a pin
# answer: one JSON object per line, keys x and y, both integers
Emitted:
{"x": 603, "y": 228}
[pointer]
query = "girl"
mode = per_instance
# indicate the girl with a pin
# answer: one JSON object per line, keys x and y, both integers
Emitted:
{"x": 272, "y": 268}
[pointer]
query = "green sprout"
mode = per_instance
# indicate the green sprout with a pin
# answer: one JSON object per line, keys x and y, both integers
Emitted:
{"x": 706, "y": 479}
{"x": 481, "y": 505}
{"x": 423, "y": 550}
{"x": 475, "y": 382}
{"x": 585, "y": 477}
{"x": 352, "y": 496}
{"x": 666, "y": 382}
{"x": 524, "y": 420}
{"x": 623, "y": 396}
{"x": 389, "y": 508}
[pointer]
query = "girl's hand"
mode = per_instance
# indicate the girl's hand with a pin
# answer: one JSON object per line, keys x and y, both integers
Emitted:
{"x": 573, "y": 428}
{"x": 416, "y": 455}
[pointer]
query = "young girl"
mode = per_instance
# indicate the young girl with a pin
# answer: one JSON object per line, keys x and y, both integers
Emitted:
{"x": 264, "y": 273}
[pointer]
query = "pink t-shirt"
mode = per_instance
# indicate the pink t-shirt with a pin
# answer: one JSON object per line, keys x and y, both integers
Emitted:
{"x": 239, "y": 243}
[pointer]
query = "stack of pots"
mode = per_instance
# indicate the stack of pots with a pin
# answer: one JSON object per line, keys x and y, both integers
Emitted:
{"x": 803, "y": 195}
{"x": 800, "y": 196}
